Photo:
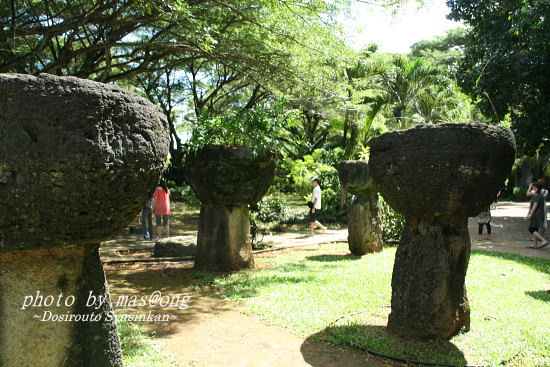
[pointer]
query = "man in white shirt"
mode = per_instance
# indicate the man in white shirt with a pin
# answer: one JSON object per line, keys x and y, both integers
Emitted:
{"x": 316, "y": 207}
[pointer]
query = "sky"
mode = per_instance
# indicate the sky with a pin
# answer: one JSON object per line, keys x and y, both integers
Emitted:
{"x": 396, "y": 33}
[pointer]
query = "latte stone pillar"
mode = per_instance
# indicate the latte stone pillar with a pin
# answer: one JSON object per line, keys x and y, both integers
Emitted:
{"x": 364, "y": 221}
{"x": 77, "y": 161}
{"x": 437, "y": 176}
{"x": 226, "y": 180}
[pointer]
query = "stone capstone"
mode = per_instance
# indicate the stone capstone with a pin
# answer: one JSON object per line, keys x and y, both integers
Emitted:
{"x": 447, "y": 170}
{"x": 230, "y": 175}
{"x": 355, "y": 177}
{"x": 77, "y": 159}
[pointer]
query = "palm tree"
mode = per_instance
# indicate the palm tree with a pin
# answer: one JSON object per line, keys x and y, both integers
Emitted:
{"x": 400, "y": 86}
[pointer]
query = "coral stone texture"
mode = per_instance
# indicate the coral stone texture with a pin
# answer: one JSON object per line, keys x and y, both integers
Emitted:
{"x": 226, "y": 179}
{"x": 437, "y": 176}
{"x": 77, "y": 161}
{"x": 364, "y": 228}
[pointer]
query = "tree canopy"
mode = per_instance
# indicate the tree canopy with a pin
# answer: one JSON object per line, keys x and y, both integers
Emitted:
{"x": 505, "y": 65}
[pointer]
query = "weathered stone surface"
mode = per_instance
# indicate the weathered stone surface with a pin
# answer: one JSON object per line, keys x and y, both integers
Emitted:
{"x": 226, "y": 179}
{"x": 437, "y": 176}
{"x": 365, "y": 225}
{"x": 364, "y": 221}
{"x": 223, "y": 242}
{"x": 77, "y": 159}
{"x": 429, "y": 299}
{"x": 177, "y": 246}
{"x": 27, "y": 340}
{"x": 230, "y": 175}
{"x": 454, "y": 170}
{"x": 355, "y": 177}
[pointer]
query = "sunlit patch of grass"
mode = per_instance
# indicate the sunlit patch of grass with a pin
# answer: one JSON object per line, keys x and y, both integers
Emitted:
{"x": 306, "y": 291}
{"x": 142, "y": 350}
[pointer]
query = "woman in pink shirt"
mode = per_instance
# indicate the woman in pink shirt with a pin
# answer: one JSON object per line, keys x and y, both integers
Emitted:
{"x": 162, "y": 208}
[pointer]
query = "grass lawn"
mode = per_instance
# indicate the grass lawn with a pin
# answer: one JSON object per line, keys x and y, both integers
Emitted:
{"x": 142, "y": 350}
{"x": 305, "y": 291}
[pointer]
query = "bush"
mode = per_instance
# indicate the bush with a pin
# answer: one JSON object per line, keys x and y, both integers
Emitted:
{"x": 270, "y": 209}
{"x": 519, "y": 193}
{"x": 183, "y": 193}
{"x": 258, "y": 128}
{"x": 321, "y": 164}
{"x": 393, "y": 223}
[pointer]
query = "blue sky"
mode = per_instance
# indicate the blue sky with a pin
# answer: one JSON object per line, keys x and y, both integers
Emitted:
{"x": 397, "y": 32}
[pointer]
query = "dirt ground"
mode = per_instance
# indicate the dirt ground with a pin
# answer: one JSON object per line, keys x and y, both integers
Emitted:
{"x": 212, "y": 332}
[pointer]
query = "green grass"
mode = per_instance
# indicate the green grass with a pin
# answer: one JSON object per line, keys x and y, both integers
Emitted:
{"x": 306, "y": 291}
{"x": 142, "y": 350}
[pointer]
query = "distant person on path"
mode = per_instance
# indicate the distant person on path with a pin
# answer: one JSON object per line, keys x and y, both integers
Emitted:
{"x": 162, "y": 208}
{"x": 315, "y": 207}
{"x": 147, "y": 219}
{"x": 544, "y": 193}
{"x": 484, "y": 219}
{"x": 536, "y": 215}
{"x": 494, "y": 204}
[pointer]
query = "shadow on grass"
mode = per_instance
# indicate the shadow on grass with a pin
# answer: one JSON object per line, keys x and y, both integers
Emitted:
{"x": 142, "y": 281}
{"x": 540, "y": 295}
{"x": 376, "y": 338}
{"x": 331, "y": 258}
{"x": 538, "y": 264}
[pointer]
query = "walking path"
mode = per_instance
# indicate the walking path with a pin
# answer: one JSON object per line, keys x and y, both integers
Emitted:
{"x": 508, "y": 223}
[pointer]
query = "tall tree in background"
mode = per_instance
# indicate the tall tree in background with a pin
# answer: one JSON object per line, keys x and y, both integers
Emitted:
{"x": 202, "y": 54}
{"x": 506, "y": 64}
{"x": 401, "y": 84}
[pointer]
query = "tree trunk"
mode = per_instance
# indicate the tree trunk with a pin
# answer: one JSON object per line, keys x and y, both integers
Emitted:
{"x": 428, "y": 293}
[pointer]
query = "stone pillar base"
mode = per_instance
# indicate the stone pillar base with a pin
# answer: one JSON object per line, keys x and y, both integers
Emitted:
{"x": 364, "y": 229}
{"x": 429, "y": 298}
{"x": 223, "y": 242}
{"x": 40, "y": 290}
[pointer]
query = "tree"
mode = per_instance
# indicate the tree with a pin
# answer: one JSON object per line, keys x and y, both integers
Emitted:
{"x": 204, "y": 57}
{"x": 444, "y": 52}
{"x": 401, "y": 85}
{"x": 505, "y": 65}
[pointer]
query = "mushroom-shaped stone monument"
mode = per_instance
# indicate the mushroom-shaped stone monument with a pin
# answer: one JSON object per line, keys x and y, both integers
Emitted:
{"x": 364, "y": 221}
{"x": 226, "y": 180}
{"x": 437, "y": 176}
{"x": 77, "y": 161}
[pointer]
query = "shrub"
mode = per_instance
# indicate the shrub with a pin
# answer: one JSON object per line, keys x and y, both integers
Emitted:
{"x": 259, "y": 128}
{"x": 321, "y": 164}
{"x": 270, "y": 209}
{"x": 519, "y": 193}
{"x": 393, "y": 223}
{"x": 183, "y": 193}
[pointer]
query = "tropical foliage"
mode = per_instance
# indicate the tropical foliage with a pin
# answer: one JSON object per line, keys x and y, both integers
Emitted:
{"x": 505, "y": 65}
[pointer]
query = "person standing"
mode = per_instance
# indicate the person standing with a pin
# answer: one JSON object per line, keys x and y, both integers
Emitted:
{"x": 484, "y": 219}
{"x": 544, "y": 193}
{"x": 162, "y": 208}
{"x": 147, "y": 219}
{"x": 535, "y": 216}
{"x": 315, "y": 207}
